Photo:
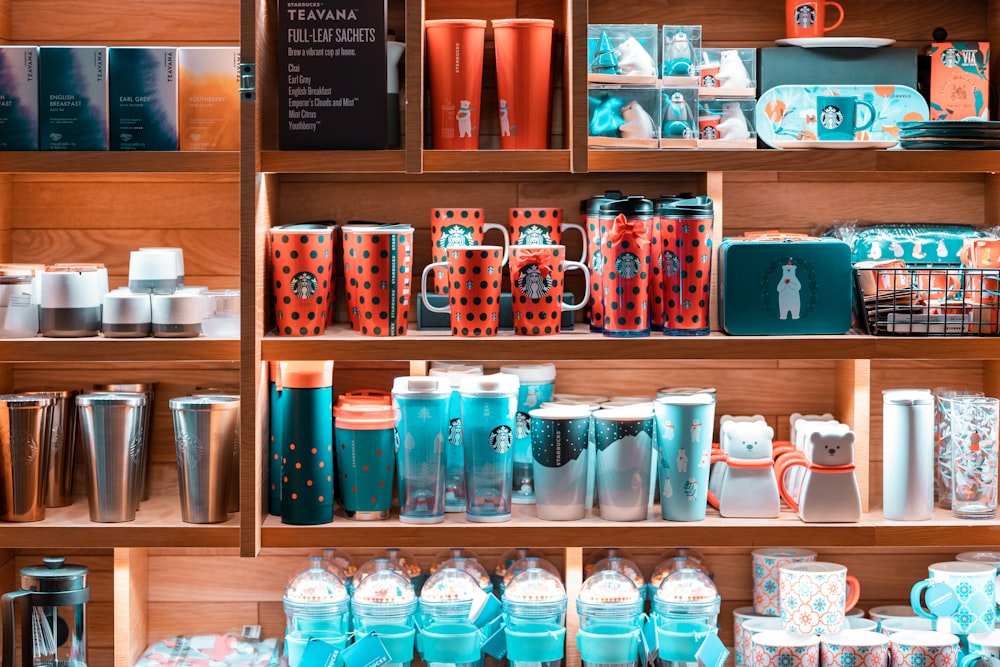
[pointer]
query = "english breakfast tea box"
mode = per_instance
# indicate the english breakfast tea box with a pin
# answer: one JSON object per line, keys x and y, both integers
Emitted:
{"x": 143, "y": 98}
{"x": 208, "y": 98}
{"x": 18, "y": 98}
{"x": 73, "y": 98}
{"x": 960, "y": 80}
{"x": 332, "y": 75}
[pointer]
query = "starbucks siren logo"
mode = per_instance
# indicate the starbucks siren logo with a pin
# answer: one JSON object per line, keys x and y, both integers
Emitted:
{"x": 670, "y": 264}
{"x": 535, "y": 235}
{"x": 304, "y": 284}
{"x": 628, "y": 265}
{"x": 805, "y": 16}
{"x": 24, "y": 443}
{"x": 951, "y": 58}
{"x": 501, "y": 438}
{"x": 187, "y": 446}
{"x": 831, "y": 117}
{"x": 135, "y": 447}
{"x": 455, "y": 432}
{"x": 456, "y": 235}
{"x": 532, "y": 283}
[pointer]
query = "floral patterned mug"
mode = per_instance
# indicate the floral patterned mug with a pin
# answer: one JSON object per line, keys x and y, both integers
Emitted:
{"x": 766, "y": 563}
{"x": 815, "y": 596}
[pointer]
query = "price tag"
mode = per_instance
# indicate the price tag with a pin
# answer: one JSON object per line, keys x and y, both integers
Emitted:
{"x": 712, "y": 652}
{"x": 649, "y": 647}
{"x": 319, "y": 653}
{"x": 366, "y": 651}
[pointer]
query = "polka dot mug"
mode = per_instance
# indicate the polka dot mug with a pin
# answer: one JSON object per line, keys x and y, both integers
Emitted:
{"x": 537, "y": 277}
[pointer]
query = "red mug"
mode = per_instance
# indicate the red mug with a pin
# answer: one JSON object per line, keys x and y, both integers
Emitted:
{"x": 807, "y": 18}
{"x": 458, "y": 227}
{"x": 473, "y": 274}
{"x": 542, "y": 226}
{"x": 537, "y": 279}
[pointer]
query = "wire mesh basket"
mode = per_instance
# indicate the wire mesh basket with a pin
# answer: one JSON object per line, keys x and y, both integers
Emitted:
{"x": 927, "y": 300}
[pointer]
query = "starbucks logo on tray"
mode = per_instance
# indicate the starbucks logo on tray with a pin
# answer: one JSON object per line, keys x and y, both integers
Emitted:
{"x": 501, "y": 438}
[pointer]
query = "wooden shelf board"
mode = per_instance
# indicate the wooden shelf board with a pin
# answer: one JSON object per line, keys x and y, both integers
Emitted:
{"x": 99, "y": 348}
{"x": 940, "y": 347}
{"x": 316, "y": 162}
{"x": 526, "y": 528}
{"x": 497, "y": 160}
{"x": 157, "y": 524}
{"x": 791, "y": 160}
{"x": 340, "y": 342}
{"x": 121, "y": 161}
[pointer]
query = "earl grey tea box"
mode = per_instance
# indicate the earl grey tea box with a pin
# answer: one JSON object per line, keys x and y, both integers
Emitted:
{"x": 332, "y": 74}
{"x": 142, "y": 84}
{"x": 73, "y": 98}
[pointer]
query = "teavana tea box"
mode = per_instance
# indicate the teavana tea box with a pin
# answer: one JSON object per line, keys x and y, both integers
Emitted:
{"x": 73, "y": 98}
{"x": 208, "y": 98}
{"x": 332, "y": 74}
{"x": 18, "y": 98}
{"x": 960, "y": 80}
{"x": 142, "y": 92}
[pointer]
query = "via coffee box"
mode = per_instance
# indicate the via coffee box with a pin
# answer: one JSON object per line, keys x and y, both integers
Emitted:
{"x": 143, "y": 98}
{"x": 73, "y": 98}
{"x": 19, "y": 98}
{"x": 208, "y": 98}
{"x": 960, "y": 80}
{"x": 332, "y": 75}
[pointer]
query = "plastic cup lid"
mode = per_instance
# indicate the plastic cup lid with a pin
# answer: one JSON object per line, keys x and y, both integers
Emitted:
{"x": 608, "y": 587}
{"x": 449, "y": 585}
{"x": 302, "y": 374}
{"x": 365, "y": 416}
{"x": 384, "y": 587}
{"x": 413, "y": 385}
{"x": 497, "y": 384}
{"x": 531, "y": 373}
{"x": 908, "y": 396}
{"x": 557, "y": 411}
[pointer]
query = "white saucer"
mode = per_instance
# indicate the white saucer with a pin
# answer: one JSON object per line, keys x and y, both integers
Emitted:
{"x": 829, "y": 42}
{"x": 841, "y": 145}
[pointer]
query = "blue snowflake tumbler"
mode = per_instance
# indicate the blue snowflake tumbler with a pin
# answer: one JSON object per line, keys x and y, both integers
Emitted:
{"x": 454, "y": 457}
{"x": 489, "y": 410}
{"x": 536, "y": 383}
{"x": 423, "y": 435}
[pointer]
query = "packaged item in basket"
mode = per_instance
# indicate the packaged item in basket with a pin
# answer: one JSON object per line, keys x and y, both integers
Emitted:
{"x": 229, "y": 649}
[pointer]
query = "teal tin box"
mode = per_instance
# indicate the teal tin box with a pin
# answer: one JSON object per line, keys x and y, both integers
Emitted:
{"x": 774, "y": 284}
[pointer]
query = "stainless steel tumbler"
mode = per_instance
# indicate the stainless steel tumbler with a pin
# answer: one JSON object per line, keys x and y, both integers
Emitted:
{"x": 25, "y": 422}
{"x": 206, "y": 432}
{"x": 147, "y": 389}
{"x": 62, "y": 447}
{"x": 113, "y": 439}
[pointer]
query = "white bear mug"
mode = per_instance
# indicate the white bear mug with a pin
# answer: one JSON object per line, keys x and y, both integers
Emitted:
{"x": 816, "y": 596}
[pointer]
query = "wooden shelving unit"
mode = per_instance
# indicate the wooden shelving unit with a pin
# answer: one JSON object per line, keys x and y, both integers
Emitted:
{"x": 150, "y": 573}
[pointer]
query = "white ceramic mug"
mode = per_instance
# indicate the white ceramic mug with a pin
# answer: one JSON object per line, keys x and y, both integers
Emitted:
{"x": 741, "y": 637}
{"x": 988, "y": 557}
{"x": 854, "y": 648}
{"x": 982, "y": 645}
{"x": 765, "y": 565}
{"x": 923, "y": 648}
{"x": 777, "y": 648}
{"x": 815, "y": 596}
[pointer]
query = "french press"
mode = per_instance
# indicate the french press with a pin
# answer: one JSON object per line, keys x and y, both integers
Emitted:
{"x": 52, "y": 618}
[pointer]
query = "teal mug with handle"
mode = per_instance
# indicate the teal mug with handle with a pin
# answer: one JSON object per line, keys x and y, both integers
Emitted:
{"x": 837, "y": 117}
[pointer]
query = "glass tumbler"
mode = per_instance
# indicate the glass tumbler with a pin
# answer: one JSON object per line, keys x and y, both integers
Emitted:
{"x": 974, "y": 426}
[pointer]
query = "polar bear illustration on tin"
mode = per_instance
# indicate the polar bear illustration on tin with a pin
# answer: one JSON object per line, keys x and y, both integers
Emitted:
{"x": 682, "y": 461}
{"x": 789, "y": 300}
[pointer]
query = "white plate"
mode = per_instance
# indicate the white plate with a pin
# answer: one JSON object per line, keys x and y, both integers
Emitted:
{"x": 834, "y": 144}
{"x": 830, "y": 42}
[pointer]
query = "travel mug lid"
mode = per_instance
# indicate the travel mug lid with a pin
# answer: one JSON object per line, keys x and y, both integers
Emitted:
{"x": 592, "y": 206}
{"x": 664, "y": 201}
{"x": 531, "y": 373}
{"x": 625, "y": 413}
{"x": 40, "y": 400}
{"x": 521, "y": 23}
{"x": 112, "y": 399}
{"x": 205, "y": 403}
{"x": 127, "y": 387}
{"x": 304, "y": 228}
{"x": 365, "y": 417}
{"x": 456, "y": 23}
{"x": 412, "y": 385}
{"x": 497, "y": 384}
{"x": 561, "y": 411}
{"x": 127, "y": 307}
{"x": 583, "y": 399}
{"x": 379, "y": 228}
{"x": 907, "y": 396}
{"x": 455, "y": 372}
{"x": 54, "y": 576}
{"x": 701, "y": 398}
{"x": 635, "y": 206}
{"x": 302, "y": 374}
{"x": 696, "y": 207}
